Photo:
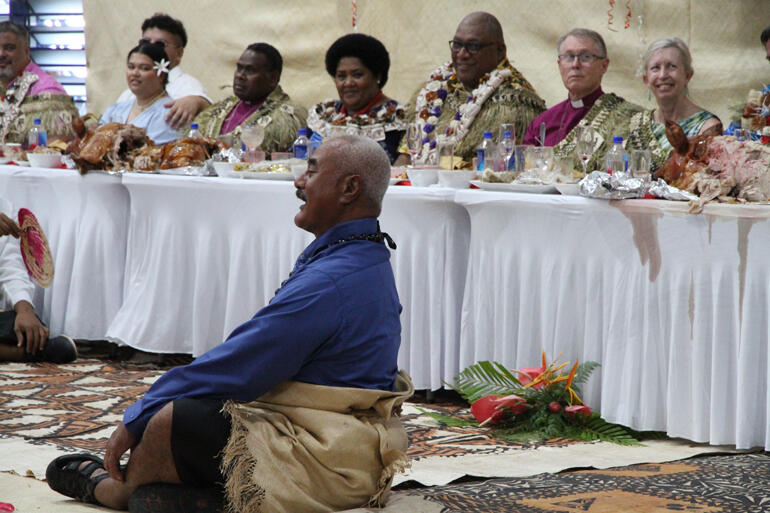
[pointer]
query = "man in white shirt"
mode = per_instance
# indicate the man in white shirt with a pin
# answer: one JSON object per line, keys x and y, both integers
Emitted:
{"x": 188, "y": 94}
{"x": 22, "y": 336}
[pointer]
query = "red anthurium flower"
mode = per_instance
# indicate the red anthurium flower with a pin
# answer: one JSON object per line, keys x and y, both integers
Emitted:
{"x": 486, "y": 410}
{"x": 578, "y": 409}
{"x": 516, "y": 404}
{"x": 527, "y": 374}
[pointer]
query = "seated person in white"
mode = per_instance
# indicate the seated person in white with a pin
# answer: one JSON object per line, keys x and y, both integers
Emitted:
{"x": 147, "y": 75}
{"x": 188, "y": 96}
{"x": 23, "y": 338}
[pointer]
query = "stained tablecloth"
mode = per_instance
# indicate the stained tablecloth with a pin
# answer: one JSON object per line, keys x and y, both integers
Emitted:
{"x": 673, "y": 305}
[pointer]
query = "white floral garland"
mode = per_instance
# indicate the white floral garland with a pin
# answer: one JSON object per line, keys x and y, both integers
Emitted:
{"x": 430, "y": 102}
{"x": 10, "y": 105}
{"x": 324, "y": 119}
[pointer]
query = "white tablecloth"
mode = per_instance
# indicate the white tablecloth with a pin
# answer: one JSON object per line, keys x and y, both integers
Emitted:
{"x": 673, "y": 305}
{"x": 84, "y": 220}
{"x": 204, "y": 254}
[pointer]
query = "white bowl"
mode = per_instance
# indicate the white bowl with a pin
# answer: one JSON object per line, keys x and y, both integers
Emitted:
{"x": 44, "y": 159}
{"x": 422, "y": 177}
{"x": 459, "y": 179}
{"x": 224, "y": 169}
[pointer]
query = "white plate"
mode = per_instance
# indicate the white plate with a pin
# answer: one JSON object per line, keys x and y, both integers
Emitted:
{"x": 568, "y": 189}
{"x": 515, "y": 187}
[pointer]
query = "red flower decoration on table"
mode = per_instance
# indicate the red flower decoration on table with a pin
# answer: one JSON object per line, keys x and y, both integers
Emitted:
{"x": 579, "y": 410}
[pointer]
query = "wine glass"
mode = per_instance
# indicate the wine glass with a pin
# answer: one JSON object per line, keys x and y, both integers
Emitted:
{"x": 252, "y": 137}
{"x": 414, "y": 136}
{"x": 585, "y": 139}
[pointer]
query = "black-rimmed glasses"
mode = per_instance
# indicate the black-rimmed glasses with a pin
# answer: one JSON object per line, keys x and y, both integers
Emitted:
{"x": 470, "y": 46}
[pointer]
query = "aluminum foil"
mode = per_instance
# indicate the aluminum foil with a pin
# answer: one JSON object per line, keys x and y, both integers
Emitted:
{"x": 228, "y": 155}
{"x": 660, "y": 189}
{"x": 624, "y": 186}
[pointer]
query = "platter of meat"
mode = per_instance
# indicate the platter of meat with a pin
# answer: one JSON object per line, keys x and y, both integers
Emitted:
{"x": 717, "y": 167}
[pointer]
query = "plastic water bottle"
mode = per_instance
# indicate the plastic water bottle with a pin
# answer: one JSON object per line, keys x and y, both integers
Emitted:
{"x": 37, "y": 136}
{"x": 485, "y": 153}
{"x": 301, "y": 144}
{"x": 194, "y": 132}
{"x": 616, "y": 160}
{"x": 506, "y": 149}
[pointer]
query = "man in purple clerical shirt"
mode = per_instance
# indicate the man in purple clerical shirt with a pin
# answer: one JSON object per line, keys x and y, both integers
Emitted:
{"x": 582, "y": 64}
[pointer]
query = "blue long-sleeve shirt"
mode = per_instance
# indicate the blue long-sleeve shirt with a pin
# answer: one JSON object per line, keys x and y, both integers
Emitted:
{"x": 335, "y": 322}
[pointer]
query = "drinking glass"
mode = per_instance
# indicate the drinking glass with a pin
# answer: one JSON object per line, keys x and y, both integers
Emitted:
{"x": 252, "y": 137}
{"x": 639, "y": 164}
{"x": 414, "y": 136}
{"x": 445, "y": 149}
{"x": 506, "y": 127}
{"x": 520, "y": 158}
{"x": 585, "y": 139}
{"x": 541, "y": 159}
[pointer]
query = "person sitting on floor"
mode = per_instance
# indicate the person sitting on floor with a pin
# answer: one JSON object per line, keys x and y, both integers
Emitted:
{"x": 147, "y": 76}
{"x": 258, "y": 100}
{"x": 29, "y": 92}
{"x": 299, "y": 404}
{"x": 23, "y": 338}
{"x": 188, "y": 96}
{"x": 475, "y": 92}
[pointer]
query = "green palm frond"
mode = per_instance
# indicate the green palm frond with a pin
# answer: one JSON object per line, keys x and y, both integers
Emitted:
{"x": 485, "y": 378}
{"x": 599, "y": 429}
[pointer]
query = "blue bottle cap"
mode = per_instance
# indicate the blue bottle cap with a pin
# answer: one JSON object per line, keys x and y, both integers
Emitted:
{"x": 303, "y": 131}
{"x": 617, "y": 140}
{"x": 37, "y": 121}
{"x": 487, "y": 135}
{"x": 193, "y": 126}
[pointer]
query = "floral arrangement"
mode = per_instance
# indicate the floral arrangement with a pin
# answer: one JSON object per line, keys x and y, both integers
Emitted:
{"x": 430, "y": 102}
{"x": 536, "y": 403}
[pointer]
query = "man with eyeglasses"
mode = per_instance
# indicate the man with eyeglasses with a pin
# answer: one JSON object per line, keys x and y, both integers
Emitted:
{"x": 582, "y": 64}
{"x": 187, "y": 93}
{"x": 473, "y": 93}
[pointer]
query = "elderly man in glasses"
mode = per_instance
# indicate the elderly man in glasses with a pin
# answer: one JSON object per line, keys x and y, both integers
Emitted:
{"x": 473, "y": 93}
{"x": 582, "y": 63}
{"x": 188, "y": 96}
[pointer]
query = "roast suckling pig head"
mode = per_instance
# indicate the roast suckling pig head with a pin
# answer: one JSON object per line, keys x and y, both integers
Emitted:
{"x": 716, "y": 166}
{"x": 109, "y": 147}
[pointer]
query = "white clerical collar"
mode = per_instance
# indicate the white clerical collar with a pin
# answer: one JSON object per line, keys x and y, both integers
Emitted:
{"x": 576, "y": 104}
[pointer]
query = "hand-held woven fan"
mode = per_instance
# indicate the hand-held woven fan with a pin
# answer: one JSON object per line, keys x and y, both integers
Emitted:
{"x": 34, "y": 249}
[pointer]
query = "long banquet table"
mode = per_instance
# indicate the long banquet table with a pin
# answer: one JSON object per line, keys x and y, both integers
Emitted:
{"x": 673, "y": 305}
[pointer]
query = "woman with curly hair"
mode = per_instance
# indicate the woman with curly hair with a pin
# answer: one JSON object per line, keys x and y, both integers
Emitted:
{"x": 359, "y": 65}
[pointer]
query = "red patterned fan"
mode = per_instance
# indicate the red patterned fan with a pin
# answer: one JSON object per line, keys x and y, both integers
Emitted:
{"x": 34, "y": 249}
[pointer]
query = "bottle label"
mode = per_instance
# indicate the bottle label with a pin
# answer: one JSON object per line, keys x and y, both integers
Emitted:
{"x": 300, "y": 151}
{"x": 42, "y": 139}
{"x": 480, "y": 159}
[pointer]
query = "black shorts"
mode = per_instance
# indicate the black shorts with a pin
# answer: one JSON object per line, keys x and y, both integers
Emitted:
{"x": 199, "y": 433}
